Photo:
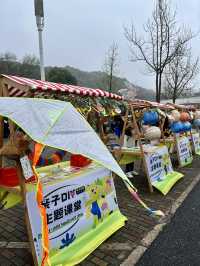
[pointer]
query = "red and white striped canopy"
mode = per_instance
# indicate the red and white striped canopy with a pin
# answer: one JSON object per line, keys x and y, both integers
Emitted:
{"x": 153, "y": 104}
{"x": 57, "y": 87}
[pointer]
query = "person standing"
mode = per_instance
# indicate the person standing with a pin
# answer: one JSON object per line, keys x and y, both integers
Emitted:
{"x": 130, "y": 142}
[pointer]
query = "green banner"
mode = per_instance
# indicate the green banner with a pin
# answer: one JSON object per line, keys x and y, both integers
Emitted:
{"x": 160, "y": 170}
{"x": 86, "y": 244}
{"x": 166, "y": 184}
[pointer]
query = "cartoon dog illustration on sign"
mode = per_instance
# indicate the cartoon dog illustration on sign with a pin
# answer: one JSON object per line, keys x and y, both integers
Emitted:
{"x": 97, "y": 205}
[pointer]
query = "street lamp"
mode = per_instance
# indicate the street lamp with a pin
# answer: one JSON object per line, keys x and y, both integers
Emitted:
{"x": 39, "y": 13}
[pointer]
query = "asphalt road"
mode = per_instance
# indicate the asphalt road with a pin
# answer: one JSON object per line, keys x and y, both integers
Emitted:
{"x": 179, "y": 243}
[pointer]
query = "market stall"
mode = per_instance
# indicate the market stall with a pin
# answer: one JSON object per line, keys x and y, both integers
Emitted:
{"x": 195, "y": 132}
{"x": 181, "y": 127}
{"x": 147, "y": 121}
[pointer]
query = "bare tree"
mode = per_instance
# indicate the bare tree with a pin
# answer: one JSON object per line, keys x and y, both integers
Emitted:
{"x": 180, "y": 74}
{"x": 111, "y": 66}
{"x": 162, "y": 42}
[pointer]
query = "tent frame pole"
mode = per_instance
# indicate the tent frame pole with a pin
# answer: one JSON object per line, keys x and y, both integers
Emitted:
{"x": 135, "y": 125}
{"x": 27, "y": 220}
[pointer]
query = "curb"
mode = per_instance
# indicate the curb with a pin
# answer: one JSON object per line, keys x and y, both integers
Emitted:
{"x": 137, "y": 253}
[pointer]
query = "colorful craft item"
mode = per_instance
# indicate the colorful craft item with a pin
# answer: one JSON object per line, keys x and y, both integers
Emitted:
{"x": 176, "y": 115}
{"x": 150, "y": 118}
{"x": 177, "y": 127}
{"x": 118, "y": 111}
{"x": 100, "y": 109}
{"x": 184, "y": 117}
{"x": 152, "y": 133}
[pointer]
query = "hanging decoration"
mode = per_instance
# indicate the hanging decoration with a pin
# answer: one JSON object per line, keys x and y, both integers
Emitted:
{"x": 184, "y": 117}
{"x": 187, "y": 126}
{"x": 177, "y": 127}
{"x": 152, "y": 133}
{"x": 150, "y": 118}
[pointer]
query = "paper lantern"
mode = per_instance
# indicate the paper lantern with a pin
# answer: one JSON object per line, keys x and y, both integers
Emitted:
{"x": 177, "y": 127}
{"x": 184, "y": 117}
{"x": 152, "y": 133}
{"x": 197, "y": 122}
{"x": 187, "y": 126}
{"x": 197, "y": 115}
{"x": 150, "y": 118}
{"x": 176, "y": 115}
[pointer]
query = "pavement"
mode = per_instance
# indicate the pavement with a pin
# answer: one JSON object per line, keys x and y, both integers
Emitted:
{"x": 179, "y": 242}
{"x": 122, "y": 248}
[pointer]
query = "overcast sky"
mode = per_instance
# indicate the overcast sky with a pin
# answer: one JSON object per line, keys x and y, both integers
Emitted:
{"x": 79, "y": 32}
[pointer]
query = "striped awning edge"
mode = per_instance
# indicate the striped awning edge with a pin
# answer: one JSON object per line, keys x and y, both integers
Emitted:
{"x": 56, "y": 87}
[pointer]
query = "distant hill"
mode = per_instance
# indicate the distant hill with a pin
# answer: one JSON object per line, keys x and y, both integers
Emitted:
{"x": 29, "y": 67}
{"x": 96, "y": 79}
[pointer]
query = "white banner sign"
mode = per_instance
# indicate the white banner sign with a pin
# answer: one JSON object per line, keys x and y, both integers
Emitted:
{"x": 74, "y": 207}
{"x": 184, "y": 150}
{"x": 158, "y": 163}
{"x": 195, "y": 142}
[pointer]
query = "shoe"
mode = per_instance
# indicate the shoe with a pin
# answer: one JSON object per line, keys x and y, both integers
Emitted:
{"x": 129, "y": 175}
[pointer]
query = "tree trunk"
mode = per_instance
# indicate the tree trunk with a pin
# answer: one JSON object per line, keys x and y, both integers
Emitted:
{"x": 157, "y": 91}
{"x": 159, "y": 86}
{"x": 174, "y": 96}
{"x": 110, "y": 83}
